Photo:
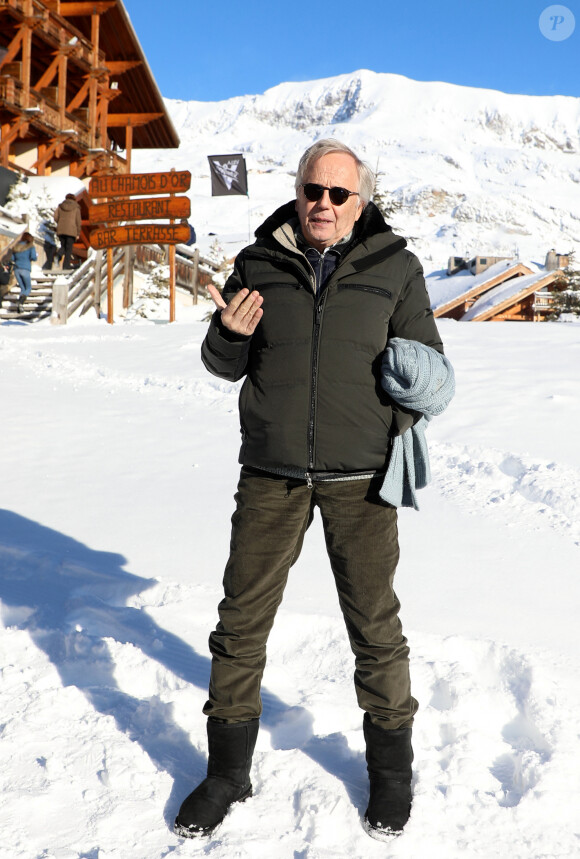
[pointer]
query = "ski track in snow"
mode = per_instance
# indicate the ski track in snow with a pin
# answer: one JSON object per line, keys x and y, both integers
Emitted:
{"x": 78, "y": 372}
{"x": 518, "y": 490}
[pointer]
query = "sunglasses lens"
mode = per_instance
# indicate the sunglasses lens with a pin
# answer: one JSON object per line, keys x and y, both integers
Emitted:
{"x": 338, "y": 196}
{"x": 313, "y": 192}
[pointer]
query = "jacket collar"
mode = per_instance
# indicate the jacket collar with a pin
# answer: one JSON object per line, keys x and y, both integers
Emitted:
{"x": 371, "y": 223}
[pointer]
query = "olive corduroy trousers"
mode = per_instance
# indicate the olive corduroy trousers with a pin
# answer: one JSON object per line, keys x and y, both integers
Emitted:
{"x": 268, "y": 527}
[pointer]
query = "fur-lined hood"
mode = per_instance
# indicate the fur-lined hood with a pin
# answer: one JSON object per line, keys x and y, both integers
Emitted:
{"x": 22, "y": 246}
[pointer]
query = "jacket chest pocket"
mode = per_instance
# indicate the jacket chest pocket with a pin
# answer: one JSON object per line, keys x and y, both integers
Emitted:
{"x": 367, "y": 288}
{"x": 361, "y": 312}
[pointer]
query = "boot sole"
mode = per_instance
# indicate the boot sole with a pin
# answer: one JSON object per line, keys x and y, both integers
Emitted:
{"x": 386, "y": 834}
{"x": 189, "y": 832}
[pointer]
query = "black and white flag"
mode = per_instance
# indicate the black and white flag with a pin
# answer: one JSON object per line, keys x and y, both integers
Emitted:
{"x": 228, "y": 175}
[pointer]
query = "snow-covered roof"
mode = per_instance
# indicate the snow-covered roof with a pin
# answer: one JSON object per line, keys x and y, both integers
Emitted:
{"x": 508, "y": 290}
{"x": 449, "y": 289}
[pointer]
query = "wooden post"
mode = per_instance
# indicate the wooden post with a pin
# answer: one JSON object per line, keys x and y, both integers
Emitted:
{"x": 26, "y": 57}
{"x": 110, "y": 286}
{"x": 98, "y": 279}
{"x": 128, "y": 277}
{"x": 195, "y": 274}
{"x": 93, "y": 83}
{"x": 128, "y": 145}
{"x": 59, "y": 302}
{"x": 172, "y": 283}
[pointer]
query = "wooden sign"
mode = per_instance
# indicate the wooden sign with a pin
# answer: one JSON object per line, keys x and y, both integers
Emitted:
{"x": 137, "y": 234}
{"x": 137, "y": 210}
{"x": 131, "y": 184}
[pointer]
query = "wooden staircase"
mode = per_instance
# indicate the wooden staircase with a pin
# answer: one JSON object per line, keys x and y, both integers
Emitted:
{"x": 37, "y": 306}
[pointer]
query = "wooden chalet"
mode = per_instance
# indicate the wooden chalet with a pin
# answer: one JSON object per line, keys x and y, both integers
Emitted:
{"x": 508, "y": 290}
{"x": 521, "y": 299}
{"x": 76, "y": 92}
{"x": 471, "y": 288}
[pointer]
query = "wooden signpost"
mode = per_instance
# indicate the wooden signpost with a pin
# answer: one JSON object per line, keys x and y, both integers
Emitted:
{"x": 130, "y": 184}
{"x": 140, "y": 209}
{"x": 110, "y": 234}
{"x": 139, "y": 234}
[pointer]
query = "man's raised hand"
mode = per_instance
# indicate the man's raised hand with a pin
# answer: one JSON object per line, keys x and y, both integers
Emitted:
{"x": 242, "y": 314}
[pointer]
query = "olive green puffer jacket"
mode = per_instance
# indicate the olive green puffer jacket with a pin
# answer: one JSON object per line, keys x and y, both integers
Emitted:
{"x": 312, "y": 399}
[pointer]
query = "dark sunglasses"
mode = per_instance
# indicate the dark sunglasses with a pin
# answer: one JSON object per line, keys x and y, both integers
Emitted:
{"x": 338, "y": 196}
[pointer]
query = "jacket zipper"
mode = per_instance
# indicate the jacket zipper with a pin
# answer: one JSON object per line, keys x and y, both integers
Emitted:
{"x": 318, "y": 308}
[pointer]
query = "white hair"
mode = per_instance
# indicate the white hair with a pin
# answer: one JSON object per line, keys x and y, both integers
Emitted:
{"x": 366, "y": 177}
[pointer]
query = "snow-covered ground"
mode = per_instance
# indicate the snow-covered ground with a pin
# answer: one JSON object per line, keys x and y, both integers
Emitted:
{"x": 118, "y": 466}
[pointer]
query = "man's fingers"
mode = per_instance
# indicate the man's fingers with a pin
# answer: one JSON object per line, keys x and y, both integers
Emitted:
{"x": 253, "y": 323}
{"x": 216, "y": 297}
{"x": 243, "y": 312}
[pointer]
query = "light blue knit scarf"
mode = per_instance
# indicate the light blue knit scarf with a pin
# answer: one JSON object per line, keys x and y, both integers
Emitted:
{"x": 419, "y": 378}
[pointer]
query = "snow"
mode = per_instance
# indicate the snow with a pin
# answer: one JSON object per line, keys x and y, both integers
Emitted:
{"x": 118, "y": 467}
{"x": 465, "y": 171}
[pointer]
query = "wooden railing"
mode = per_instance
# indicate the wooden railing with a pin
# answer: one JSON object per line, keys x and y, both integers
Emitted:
{"x": 192, "y": 271}
{"x": 61, "y": 297}
{"x": 84, "y": 289}
{"x": 543, "y": 300}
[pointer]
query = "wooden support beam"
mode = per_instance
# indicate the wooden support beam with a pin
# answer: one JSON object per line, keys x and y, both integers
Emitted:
{"x": 62, "y": 76}
{"x": 93, "y": 84}
{"x": 129, "y": 145}
{"x": 17, "y": 129}
{"x": 13, "y": 48}
{"x": 48, "y": 76}
{"x": 49, "y": 151}
{"x": 26, "y": 57}
{"x": 41, "y": 162}
{"x": 118, "y": 120}
{"x": 79, "y": 97}
{"x": 119, "y": 67}
{"x": 85, "y": 7}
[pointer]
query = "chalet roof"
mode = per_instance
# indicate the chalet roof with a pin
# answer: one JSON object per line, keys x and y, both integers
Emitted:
{"x": 139, "y": 92}
{"x": 508, "y": 293}
{"x": 449, "y": 291}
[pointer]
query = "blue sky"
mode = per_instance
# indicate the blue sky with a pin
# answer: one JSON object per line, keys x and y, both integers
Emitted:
{"x": 213, "y": 51}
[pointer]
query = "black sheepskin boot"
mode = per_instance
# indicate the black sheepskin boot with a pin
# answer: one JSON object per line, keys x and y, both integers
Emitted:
{"x": 389, "y": 757}
{"x": 231, "y": 747}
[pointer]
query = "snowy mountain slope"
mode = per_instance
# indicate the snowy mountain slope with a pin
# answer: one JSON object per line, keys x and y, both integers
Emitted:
{"x": 463, "y": 170}
{"x": 118, "y": 471}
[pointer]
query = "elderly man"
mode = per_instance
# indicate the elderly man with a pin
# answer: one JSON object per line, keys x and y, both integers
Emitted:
{"x": 305, "y": 318}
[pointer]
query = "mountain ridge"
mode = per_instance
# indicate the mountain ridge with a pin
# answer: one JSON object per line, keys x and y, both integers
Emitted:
{"x": 461, "y": 170}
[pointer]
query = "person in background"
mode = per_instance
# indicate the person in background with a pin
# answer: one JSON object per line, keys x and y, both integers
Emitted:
{"x": 68, "y": 227}
{"x": 192, "y": 236}
{"x": 23, "y": 255}
{"x": 306, "y": 317}
{"x": 46, "y": 231}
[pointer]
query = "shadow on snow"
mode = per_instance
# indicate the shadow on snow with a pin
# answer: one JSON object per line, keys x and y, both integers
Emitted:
{"x": 70, "y": 599}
